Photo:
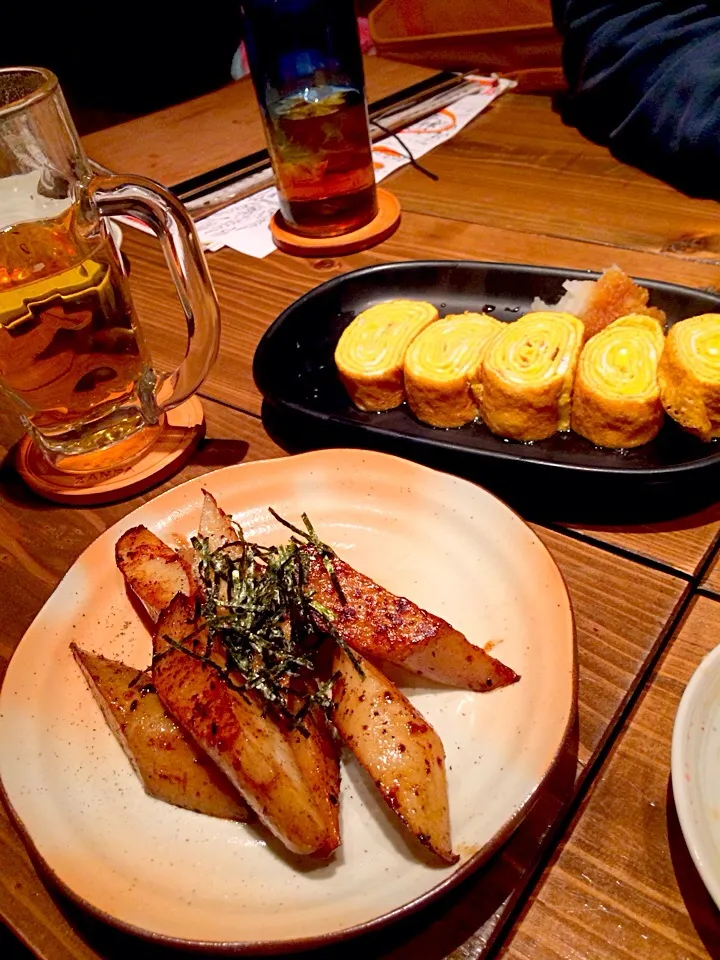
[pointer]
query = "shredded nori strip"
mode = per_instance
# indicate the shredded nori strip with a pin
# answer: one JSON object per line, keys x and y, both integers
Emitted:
{"x": 326, "y": 552}
{"x": 257, "y": 604}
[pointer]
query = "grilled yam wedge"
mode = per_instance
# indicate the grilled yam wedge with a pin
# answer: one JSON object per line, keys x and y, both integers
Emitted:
{"x": 316, "y": 753}
{"x": 318, "y": 758}
{"x": 379, "y": 624}
{"x": 398, "y": 748}
{"x": 169, "y": 765}
{"x": 154, "y": 572}
{"x": 255, "y": 751}
{"x": 217, "y": 530}
{"x": 215, "y": 525}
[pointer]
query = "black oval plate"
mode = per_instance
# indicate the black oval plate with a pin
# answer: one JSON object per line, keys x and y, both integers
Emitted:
{"x": 295, "y": 371}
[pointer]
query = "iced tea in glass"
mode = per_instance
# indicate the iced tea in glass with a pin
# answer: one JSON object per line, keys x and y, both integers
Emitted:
{"x": 307, "y": 70}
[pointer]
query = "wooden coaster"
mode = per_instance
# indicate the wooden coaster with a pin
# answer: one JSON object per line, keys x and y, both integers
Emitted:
{"x": 176, "y": 440}
{"x": 383, "y": 225}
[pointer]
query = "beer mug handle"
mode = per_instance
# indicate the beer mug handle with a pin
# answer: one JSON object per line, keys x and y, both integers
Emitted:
{"x": 169, "y": 221}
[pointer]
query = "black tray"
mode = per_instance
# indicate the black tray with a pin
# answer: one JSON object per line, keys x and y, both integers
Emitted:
{"x": 307, "y": 405}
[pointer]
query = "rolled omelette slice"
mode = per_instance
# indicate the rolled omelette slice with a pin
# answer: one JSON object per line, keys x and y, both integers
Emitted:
{"x": 442, "y": 362}
{"x": 371, "y": 351}
{"x": 689, "y": 375}
{"x": 527, "y": 376}
{"x": 616, "y": 399}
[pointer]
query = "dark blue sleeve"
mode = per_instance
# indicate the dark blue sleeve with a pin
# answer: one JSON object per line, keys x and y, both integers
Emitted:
{"x": 644, "y": 79}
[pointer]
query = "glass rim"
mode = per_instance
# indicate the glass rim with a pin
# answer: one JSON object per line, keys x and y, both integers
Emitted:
{"x": 46, "y": 88}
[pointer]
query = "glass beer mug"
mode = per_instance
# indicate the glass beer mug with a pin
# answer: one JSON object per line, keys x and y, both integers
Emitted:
{"x": 73, "y": 363}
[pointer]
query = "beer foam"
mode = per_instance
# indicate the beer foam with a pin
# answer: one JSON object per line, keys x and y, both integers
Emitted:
{"x": 21, "y": 201}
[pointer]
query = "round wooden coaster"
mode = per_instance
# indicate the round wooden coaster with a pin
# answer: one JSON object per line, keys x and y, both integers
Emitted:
{"x": 176, "y": 440}
{"x": 383, "y": 225}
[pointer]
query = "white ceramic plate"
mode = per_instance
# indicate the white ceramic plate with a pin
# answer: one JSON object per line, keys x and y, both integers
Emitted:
{"x": 695, "y": 764}
{"x": 163, "y": 872}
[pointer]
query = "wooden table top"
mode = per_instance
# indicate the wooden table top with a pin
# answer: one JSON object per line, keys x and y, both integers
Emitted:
{"x": 516, "y": 185}
{"x": 623, "y": 883}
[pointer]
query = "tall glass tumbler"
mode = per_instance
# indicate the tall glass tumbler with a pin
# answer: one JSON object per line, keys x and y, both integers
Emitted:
{"x": 306, "y": 66}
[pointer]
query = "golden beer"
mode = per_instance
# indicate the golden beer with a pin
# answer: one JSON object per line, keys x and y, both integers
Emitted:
{"x": 73, "y": 364}
{"x": 71, "y": 353}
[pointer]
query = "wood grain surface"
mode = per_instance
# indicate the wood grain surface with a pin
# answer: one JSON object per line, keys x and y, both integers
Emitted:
{"x": 685, "y": 542}
{"x": 213, "y": 129}
{"x": 622, "y": 884}
{"x": 711, "y": 580}
{"x": 518, "y": 159}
